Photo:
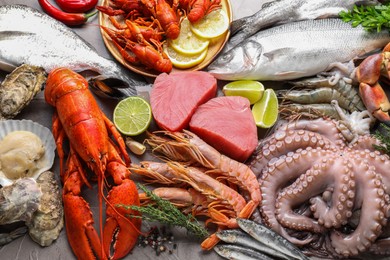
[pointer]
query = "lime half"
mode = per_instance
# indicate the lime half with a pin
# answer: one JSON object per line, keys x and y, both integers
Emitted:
{"x": 250, "y": 89}
{"x": 266, "y": 110}
{"x": 132, "y": 116}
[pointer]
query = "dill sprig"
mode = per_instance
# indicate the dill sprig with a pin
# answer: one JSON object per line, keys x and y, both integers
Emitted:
{"x": 371, "y": 17}
{"x": 165, "y": 212}
{"x": 384, "y": 137}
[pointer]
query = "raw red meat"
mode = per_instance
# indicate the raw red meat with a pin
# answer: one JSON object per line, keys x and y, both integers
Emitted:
{"x": 227, "y": 124}
{"x": 175, "y": 97}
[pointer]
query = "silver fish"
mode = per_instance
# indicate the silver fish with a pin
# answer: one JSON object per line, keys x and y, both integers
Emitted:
{"x": 6, "y": 238}
{"x": 31, "y": 37}
{"x": 296, "y": 50}
{"x": 239, "y": 253}
{"x": 286, "y": 11}
{"x": 271, "y": 239}
{"x": 240, "y": 238}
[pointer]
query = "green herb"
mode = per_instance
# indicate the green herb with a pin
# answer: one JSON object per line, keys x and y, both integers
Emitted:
{"x": 371, "y": 17}
{"x": 165, "y": 212}
{"x": 384, "y": 137}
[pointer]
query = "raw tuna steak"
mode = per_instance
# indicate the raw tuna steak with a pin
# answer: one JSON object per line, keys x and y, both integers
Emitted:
{"x": 227, "y": 124}
{"x": 175, "y": 97}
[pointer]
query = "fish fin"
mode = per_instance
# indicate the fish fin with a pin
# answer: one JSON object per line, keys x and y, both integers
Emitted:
{"x": 298, "y": 74}
{"x": 279, "y": 52}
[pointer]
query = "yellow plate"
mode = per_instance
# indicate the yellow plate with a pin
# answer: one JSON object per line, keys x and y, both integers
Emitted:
{"x": 214, "y": 48}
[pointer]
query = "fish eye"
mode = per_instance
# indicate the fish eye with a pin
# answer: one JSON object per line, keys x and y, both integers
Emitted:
{"x": 227, "y": 57}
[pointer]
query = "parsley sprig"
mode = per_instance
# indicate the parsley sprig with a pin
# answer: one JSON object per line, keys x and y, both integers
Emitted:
{"x": 371, "y": 17}
{"x": 384, "y": 137}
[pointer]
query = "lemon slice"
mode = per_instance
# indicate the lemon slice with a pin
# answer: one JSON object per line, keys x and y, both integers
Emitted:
{"x": 132, "y": 116}
{"x": 182, "y": 61}
{"x": 250, "y": 89}
{"x": 188, "y": 42}
{"x": 265, "y": 111}
{"x": 212, "y": 25}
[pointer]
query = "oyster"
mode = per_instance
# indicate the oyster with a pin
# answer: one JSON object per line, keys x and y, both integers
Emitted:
{"x": 19, "y": 88}
{"x": 48, "y": 220}
{"x": 19, "y": 201}
{"x": 26, "y": 150}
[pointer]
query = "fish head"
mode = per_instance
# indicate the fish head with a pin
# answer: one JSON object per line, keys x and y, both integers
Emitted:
{"x": 238, "y": 62}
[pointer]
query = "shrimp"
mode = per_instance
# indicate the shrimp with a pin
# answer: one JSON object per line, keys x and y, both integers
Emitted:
{"x": 189, "y": 148}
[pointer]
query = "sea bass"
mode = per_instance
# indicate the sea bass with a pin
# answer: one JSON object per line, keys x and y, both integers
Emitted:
{"x": 295, "y": 50}
{"x": 286, "y": 11}
{"x": 31, "y": 37}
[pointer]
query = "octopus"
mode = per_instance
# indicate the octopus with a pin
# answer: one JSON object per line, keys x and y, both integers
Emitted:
{"x": 322, "y": 193}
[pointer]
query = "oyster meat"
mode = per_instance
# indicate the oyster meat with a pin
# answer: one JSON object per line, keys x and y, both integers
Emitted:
{"x": 21, "y": 155}
{"x": 19, "y": 88}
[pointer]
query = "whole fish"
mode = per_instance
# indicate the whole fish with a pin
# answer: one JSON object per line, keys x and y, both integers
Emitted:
{"x": 286, "y": 11}
{"x": 296, "y": 50}
{"x": 240, "y": 238}
{"x": 239, "y": 252}
{"x": 31, "y": 37}
{"x": 270, "y": 238}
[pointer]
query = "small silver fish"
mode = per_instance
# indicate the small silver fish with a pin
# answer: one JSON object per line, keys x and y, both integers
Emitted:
{"x": 286, "y": 11}
{"x": 271, "y": 239}
{"x": 240, "y": 238}
{"x": 37, "y": 39}
{"x": 239, "y": 253}
{"x": 296, "y": 50}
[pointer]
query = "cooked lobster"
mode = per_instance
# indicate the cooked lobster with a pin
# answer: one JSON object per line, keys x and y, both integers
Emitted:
{"x": 79, "y": 119}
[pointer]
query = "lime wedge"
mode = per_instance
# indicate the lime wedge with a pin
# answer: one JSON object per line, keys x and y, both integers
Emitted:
{"x": 183, "y": 61}
{"x": 266, "y": 110}
{"x": 212, "y": 25}
{"x": 188, "y": 42}
{"x": 132, "y": 116}
{"x": 250, "y": 89}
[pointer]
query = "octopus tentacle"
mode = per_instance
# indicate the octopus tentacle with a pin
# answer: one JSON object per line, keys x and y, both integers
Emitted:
{"x": 287, "y": 141}
{"x": 276, "y": 177}
{"x": 373, "y": 205}
{"x": 330, "y": 172}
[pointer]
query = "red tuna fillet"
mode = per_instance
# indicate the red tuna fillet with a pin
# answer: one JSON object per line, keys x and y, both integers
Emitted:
{"x": 175, "y": 97}
{"x": 227, "y": 124}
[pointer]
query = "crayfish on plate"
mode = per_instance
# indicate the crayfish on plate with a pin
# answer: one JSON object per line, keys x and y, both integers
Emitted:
{"x": 145, "y": 24}
{"x": 78, "y": 118}
{"x": 368, "y": 74}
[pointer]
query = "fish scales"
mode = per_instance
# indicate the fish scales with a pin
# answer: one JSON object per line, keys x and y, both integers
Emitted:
{"x": 296, "y": 50}
{"x": 285, "y": 11}
{"x": 35, "y": 38}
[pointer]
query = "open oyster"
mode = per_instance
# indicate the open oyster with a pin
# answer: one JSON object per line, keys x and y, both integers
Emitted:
{"x": 19, "y": 88}
{"x": 26, "y": 150}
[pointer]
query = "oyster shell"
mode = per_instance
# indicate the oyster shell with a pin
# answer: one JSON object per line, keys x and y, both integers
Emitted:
{"x": 19, "y": 88}
{"x": 40, "y": 163}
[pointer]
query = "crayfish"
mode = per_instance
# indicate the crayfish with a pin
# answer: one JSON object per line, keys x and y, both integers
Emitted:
{"x": 368, "y": 74}
{"x": 79, "y": 119}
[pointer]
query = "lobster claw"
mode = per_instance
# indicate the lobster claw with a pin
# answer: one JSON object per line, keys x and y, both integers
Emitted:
{"x": 79, "y": 228}
{"x": 376, "y": 101}
{"x": 120, "y": 231}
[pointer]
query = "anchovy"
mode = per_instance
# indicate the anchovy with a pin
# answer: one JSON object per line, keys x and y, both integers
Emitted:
{"x": 286, "y": 11}
{"x": 296, "y": 50}
{"x": 270, "y": 238}
{"x": 240, "y": 238}
{"x": 31, "y": 37}
{"x": 239, "y": 253}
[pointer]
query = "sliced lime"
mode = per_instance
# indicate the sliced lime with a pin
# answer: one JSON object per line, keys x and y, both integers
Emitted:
{"x": 250, "y": 89}
{"x": 132, "y": 116}
{"x": 266, "y": 110}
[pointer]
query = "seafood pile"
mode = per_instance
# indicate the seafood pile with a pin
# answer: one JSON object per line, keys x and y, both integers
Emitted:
{"x": 144, "y": 25}
{"x": 321, "y": 192}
